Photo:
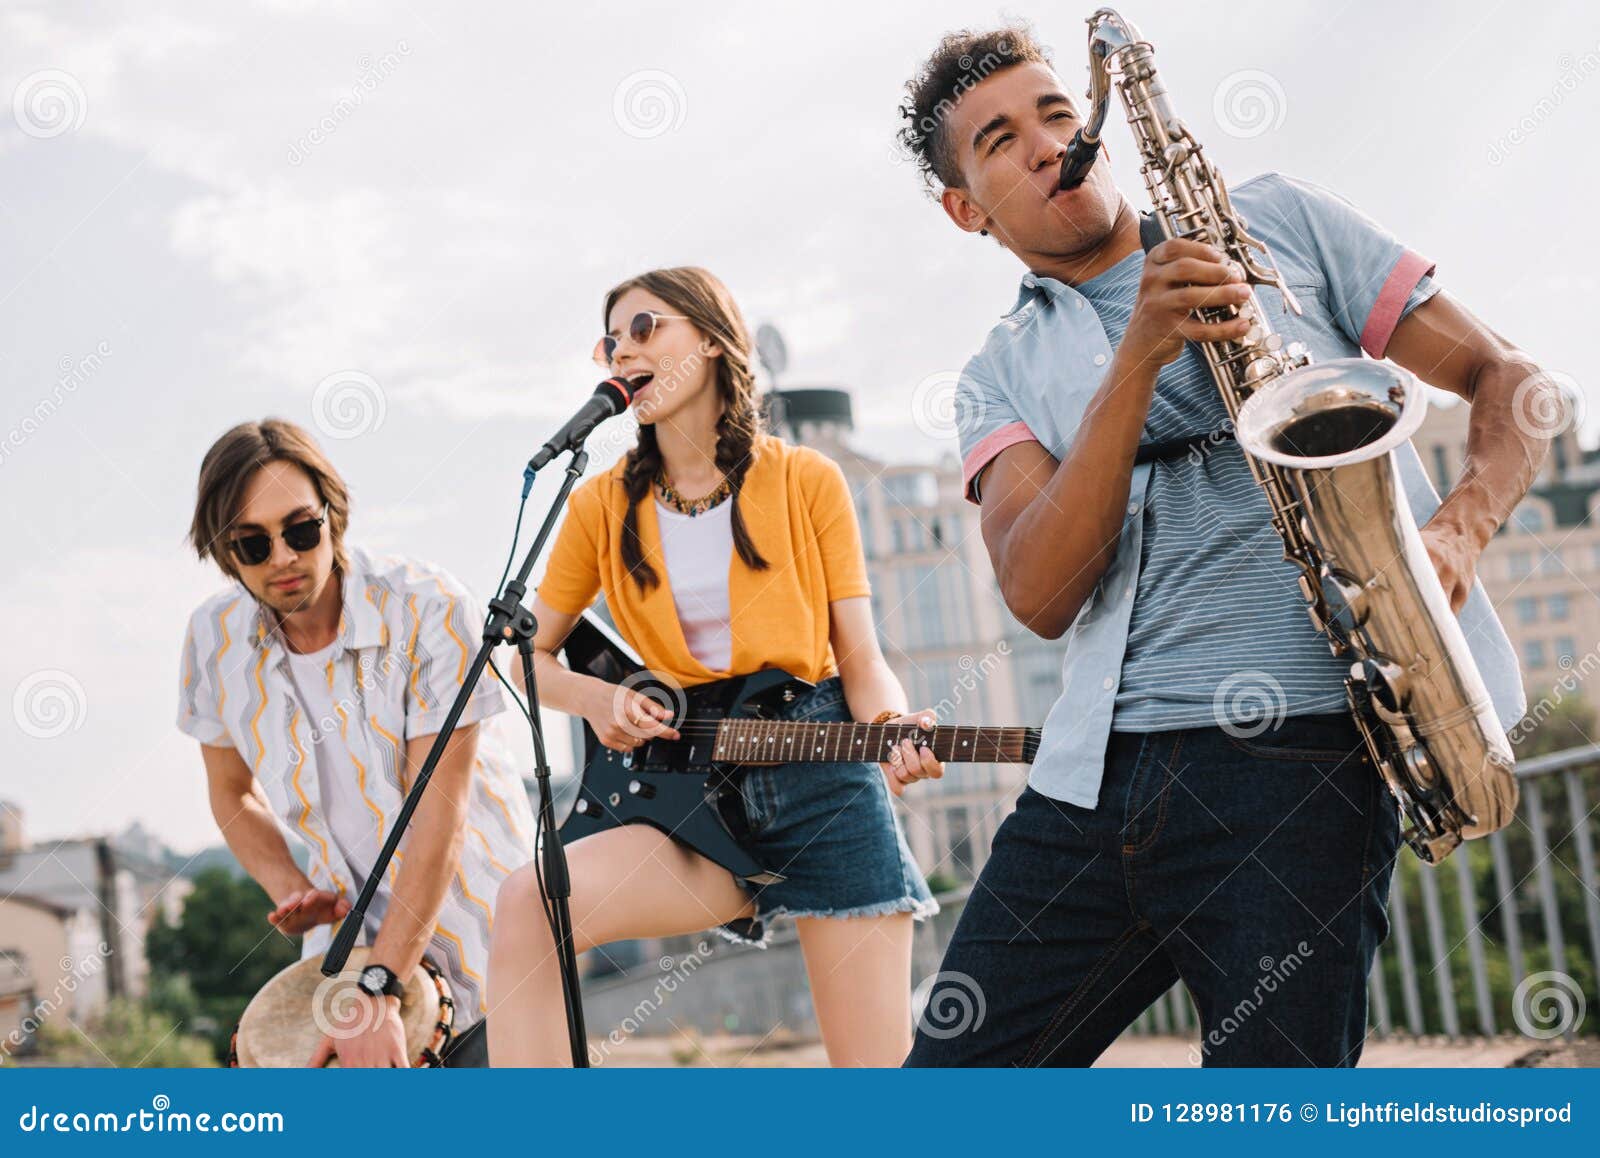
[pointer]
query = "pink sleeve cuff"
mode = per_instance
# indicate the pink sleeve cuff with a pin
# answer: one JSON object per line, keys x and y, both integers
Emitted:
{"x": 1385, "y": 315}
{"x": 981, "y": 455}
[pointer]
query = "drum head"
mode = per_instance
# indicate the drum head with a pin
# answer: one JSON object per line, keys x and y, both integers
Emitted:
{"x": 284, "y": 1021}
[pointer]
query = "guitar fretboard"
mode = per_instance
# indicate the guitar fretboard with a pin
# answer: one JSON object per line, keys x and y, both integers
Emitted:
{"x": 780, "y": 741}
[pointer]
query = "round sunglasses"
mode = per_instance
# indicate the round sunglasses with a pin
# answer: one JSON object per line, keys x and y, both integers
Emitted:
{"x": 254, "y": 550}
{"x": 641, "y": 329}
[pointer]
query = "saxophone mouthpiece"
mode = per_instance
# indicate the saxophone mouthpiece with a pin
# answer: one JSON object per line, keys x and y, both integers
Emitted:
{"x": 1079, "y": 160}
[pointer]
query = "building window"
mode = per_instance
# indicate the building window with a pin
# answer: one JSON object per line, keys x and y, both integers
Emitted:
{"x": 959, "y": 825}
{"x": 1533, "y": 653}
{"x": 1552, "y": 564}
{"x": 1557, "y": 605}
{"x": 917, "y": 489}
{"x": 1441, "y": 467}
{"x": 1528, "y": 519}
{"x": 1566, "y": 650}
{"x": 1527, "y": 609}
{"x": 1519, "y": 564}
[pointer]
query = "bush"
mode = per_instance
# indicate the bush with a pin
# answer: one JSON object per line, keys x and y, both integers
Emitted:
{"x": 129, "y": 1034}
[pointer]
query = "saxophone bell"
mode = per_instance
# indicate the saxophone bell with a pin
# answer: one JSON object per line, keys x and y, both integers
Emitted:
{"x": 1416, "y": 693}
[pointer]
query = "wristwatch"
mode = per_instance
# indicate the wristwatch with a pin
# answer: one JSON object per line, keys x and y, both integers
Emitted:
{"x": 380, "y": 981}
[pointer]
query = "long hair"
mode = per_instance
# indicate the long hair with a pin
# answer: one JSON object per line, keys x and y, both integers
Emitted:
{"x": 706, "y": 302}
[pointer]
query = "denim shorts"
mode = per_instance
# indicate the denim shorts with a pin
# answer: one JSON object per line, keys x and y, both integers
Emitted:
{"x": 830, "y": 830}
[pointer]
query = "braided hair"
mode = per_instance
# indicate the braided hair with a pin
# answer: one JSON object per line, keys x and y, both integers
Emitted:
{"x": 705, "y": 301}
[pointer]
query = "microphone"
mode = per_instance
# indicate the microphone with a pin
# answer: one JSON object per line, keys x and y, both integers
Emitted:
{"x": 609, "y": 399}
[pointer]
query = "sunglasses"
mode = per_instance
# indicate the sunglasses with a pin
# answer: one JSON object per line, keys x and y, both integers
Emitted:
{"x": 641, "y": 329}
{"x": 254, "y": 550}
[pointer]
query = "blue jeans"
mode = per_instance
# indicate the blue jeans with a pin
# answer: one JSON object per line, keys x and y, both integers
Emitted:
{"x": 1255, "y": 869}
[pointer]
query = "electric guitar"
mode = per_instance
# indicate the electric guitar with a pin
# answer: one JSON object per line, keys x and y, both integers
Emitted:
{"x": 689, "y": 787}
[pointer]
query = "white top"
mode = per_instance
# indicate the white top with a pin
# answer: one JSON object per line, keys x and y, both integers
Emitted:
{"x": 698, "y": 551}
{"x": 356, "y": 831}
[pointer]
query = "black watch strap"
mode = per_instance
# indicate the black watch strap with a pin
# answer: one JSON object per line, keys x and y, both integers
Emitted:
{"x": 380, "y": 981}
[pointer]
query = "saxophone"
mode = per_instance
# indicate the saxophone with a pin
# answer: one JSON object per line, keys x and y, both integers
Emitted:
{"x": 1319, "y": 440}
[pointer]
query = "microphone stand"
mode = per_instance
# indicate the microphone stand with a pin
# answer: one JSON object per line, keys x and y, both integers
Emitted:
{"x": 508, "y": 621}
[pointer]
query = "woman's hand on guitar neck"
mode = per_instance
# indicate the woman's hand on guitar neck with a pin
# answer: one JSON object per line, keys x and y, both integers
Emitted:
{"x": 910, "y": 761}
{"x": 623, "y": 718}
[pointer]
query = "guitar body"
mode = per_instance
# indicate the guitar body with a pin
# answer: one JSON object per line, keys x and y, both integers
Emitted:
{"x": 672, "y": 785}
{"x": 689, "y": 788}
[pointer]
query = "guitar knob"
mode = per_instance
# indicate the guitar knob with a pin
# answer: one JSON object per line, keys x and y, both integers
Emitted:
{"x": 584, "y": 808}
{"x": 640, "y": 789}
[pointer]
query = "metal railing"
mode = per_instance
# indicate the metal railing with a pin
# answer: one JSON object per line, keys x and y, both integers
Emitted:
{"x": 1502, "y": 938}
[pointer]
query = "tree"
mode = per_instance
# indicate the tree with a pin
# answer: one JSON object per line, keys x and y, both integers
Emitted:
{"x": 207, "y": 967}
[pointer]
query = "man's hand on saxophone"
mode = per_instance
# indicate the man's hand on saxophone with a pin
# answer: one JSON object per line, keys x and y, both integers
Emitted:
{"x": 1180, "y": 277}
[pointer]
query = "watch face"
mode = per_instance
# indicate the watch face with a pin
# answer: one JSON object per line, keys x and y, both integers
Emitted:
{"x": 372, "y": 978}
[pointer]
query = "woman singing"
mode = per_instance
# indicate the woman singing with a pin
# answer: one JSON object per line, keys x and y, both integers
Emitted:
{"x": 722, "y": 550}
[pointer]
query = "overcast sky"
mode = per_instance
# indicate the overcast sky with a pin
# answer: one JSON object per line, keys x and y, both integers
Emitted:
{"x": 208, "y": 210}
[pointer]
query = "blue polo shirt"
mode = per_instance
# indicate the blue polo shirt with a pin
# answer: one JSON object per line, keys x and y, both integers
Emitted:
{"x": 1199, "y": 621}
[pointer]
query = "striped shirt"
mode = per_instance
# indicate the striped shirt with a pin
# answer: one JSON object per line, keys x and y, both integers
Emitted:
{"x": 1219, "y": 627}
{"x": 1190, "y": 635}
{"x": 406, "y": 637}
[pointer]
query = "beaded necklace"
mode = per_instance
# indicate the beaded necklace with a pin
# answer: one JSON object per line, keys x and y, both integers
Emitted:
{"x": 691, "y": 507}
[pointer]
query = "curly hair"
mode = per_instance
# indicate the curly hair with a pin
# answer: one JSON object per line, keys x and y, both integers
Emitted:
{"x": 706, "y": 302}
{"x": 956, "y": 66}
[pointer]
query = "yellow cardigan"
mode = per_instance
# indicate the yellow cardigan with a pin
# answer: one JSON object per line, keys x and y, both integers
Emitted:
{"x": 798, "y": 510}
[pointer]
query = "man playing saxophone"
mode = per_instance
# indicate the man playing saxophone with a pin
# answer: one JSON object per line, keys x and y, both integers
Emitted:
{"x": 1202, "y": 805}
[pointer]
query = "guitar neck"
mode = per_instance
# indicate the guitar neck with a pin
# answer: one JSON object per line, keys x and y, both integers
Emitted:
{"x": 742, "y": 741}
